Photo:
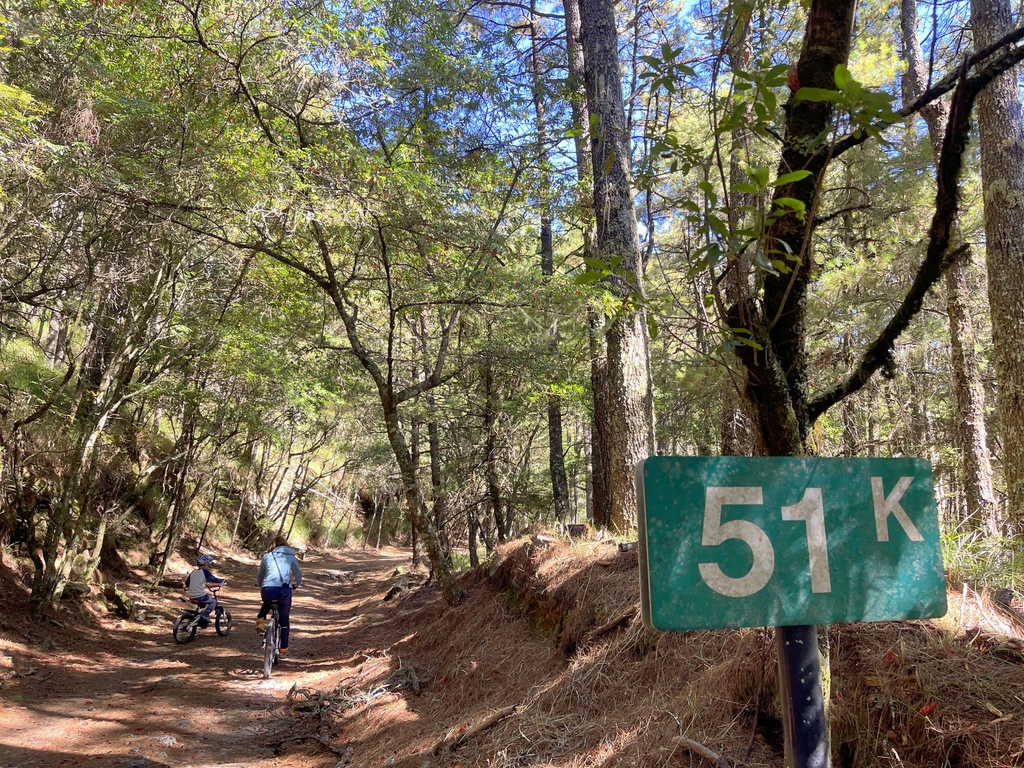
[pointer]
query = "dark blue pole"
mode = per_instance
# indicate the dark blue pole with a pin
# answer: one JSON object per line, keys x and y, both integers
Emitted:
{"x": 803, "y": 705}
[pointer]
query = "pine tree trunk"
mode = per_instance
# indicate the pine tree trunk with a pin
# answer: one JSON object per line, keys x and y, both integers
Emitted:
{"x": 1002, "y": 175}
{"x": 601, "y": 505}
{"x": 631, "y": 437}
{"x": 438, "y": 496}
{"x": 598, "y": 503}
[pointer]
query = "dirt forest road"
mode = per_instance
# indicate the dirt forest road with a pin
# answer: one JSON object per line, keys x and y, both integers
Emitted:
{"x": 127, "y": 695}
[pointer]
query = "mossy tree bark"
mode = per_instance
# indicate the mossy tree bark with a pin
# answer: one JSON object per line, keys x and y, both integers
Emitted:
{"x": 1002, "y": 176}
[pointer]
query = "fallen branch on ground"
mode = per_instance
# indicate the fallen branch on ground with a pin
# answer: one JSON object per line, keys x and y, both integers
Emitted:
{"x": 453, "y": 741}
{"x": 623, "y": 618}
{"x": 699, "y": 749}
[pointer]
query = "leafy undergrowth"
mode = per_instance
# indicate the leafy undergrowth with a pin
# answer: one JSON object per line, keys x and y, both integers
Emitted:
{"x": 547, "y": 663}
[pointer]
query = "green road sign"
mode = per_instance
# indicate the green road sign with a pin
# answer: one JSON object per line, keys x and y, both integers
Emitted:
{"x": 752, "y": 542}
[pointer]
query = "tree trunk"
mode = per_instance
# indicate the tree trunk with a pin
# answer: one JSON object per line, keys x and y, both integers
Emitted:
{"x": 777, "y": 374}
{"x": 556, "y": 451}
{"x": 501, "y": 531}
{"x": 967, "y": 386}
{"x": 737, "y": 426}
{"x": 630, "y": 394}
{"x": 598, "y": 503}
{"x": 472, "y": 527}
{"x": 777, "y": 382}
{"x": 418, "y": 513}
{"x": 438, "y": 495}
{"x": 56, "y": 337}
{"x": 601, "y": 505}
{"x": 213, "y": 506}
{"x": 414, "y": 442}
{"x": 1002, "y": 176}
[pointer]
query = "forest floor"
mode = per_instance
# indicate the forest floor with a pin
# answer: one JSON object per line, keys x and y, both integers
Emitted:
{"x": 544, "y": 663}
{"x": 101, "y": 691}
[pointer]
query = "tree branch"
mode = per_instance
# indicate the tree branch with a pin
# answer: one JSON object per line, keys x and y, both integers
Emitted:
{"x": 992, "y": 69}
{"x": 937, "y": 260}
{"x": 38, "y": 412}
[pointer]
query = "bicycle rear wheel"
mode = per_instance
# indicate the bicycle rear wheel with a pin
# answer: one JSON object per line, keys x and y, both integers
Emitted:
{"x": 184, "y": 630}
{"x": 269, "y": 646}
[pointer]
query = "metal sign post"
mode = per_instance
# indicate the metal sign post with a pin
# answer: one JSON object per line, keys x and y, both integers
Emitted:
{"x": 788, "y": 542}
{"x": 803, "y": 704}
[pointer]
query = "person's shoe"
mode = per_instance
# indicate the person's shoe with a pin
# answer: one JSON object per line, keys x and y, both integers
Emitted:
{"x": 261, "y": 626}
{"x": 283, "y": 653}
{"x": 204, "y": 622}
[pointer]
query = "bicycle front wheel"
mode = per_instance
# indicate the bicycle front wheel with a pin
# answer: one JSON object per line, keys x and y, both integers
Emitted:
{"x": 269, "y": 647}
{"x": 184, "y": 629}
{"x": 223, "y": 622}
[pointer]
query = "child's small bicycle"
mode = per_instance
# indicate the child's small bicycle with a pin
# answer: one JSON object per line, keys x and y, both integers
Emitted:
{"x": 191, "y": 620}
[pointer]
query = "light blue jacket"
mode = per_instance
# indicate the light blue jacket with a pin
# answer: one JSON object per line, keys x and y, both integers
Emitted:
{"x": 279, "y": 568}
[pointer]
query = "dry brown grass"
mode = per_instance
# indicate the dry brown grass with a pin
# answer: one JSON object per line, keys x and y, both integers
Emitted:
{"x": 904, "y": 694}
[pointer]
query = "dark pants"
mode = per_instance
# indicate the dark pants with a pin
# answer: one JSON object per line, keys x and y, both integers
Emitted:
{"x": 283, "y": 596}
{"x": 206, "y": 603}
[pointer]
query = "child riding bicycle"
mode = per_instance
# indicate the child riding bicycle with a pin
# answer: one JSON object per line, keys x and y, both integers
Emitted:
{"x": 196, "y": 583}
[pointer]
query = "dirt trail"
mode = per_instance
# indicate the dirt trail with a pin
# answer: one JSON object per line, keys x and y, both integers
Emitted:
{"x": 124, "y": 694}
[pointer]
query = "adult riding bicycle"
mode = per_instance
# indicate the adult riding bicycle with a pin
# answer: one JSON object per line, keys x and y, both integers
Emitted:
{"x": 279, "y": 573}
{"x": 271, "y": 640}
{"x": 191, "y": 620}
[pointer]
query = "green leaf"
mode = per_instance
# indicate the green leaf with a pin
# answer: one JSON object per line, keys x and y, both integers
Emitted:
{"x": 797, "y": 206}
{"x": 790, "y": 178}
{"x": 818, "y": 94}
{"x": 759, "y": 174}
{"x": 761, "y": 261}
{"x": 843, "y": 77}
{"x": 776, "y": 76}
{"x": 747, "y": 188}
{"x": 652, "y": 326}
{"x": 588, "y": 278}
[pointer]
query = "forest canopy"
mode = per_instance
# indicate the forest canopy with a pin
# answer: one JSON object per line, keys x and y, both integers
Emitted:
{"x": 435, "y": 273}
